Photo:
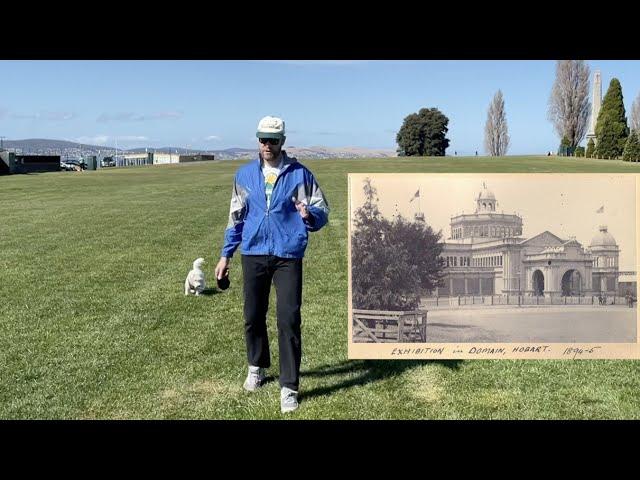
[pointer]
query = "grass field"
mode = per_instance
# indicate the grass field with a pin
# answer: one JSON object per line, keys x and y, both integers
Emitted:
{"x": 94, "y": 323}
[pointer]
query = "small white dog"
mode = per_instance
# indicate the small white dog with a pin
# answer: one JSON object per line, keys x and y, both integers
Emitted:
{"x": 195, "y": 281}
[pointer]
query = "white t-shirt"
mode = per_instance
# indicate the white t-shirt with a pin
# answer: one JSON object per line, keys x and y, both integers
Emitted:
{"x": 270, "y": 175}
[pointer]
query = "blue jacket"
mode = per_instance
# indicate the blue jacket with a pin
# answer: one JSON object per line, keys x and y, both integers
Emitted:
{"x": 278, "y": 230}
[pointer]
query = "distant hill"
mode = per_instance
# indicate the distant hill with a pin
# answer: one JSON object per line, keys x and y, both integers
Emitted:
{"x": 41, "y": 146}
{"x": 34, "y": 145}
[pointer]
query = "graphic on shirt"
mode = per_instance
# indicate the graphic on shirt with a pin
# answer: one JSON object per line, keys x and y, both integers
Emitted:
{"x": 270, "y": 180}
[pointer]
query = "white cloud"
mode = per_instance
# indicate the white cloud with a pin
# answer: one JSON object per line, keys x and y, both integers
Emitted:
{"x": 132, "y": 138}
{"x": 212, "y": 137}
{"x": 55, "y": 116}
{"x": 136, "y": 117}
{"x": 46, "y": 116}
{"x": 162, "y": 115}
{"x": 107, "y": 139}
{"x": 119, "y": 117}
{"x": 96, "y": 140}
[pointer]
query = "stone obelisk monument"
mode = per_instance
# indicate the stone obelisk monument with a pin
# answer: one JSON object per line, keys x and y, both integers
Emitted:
{"x": 596, "y": 101}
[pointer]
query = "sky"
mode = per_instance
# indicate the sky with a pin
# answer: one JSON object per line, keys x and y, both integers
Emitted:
{"x": 214, "y": 105}
{"x": 564, "y": 204}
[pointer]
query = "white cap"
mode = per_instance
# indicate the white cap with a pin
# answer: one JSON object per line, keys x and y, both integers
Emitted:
{"x": 270, "y": 127}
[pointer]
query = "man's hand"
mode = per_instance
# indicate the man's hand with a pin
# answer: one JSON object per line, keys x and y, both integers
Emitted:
{"x": 222, "y": 268}
{"x": 301, "y": 207}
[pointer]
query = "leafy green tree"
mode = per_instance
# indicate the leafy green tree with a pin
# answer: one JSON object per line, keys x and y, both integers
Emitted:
{"x": 393, "y": 262}
{"x": 591, "y": 148}
{"x": 565, "y": 149}
{"x": 579, "y": 152}
{"x": 611, "y": 128}
{"x": 632, "y": 148}
{"x": 423, "y": 134}
{"x": 424, "y": 249}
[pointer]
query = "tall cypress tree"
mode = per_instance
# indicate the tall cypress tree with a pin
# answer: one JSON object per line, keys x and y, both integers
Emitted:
{"x": 632, "y": 148}
{"x": 611, "y": 129}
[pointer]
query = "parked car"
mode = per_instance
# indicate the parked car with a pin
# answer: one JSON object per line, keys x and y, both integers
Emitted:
{"x": 108, "y": 162}
{"x": 71, "y": 165}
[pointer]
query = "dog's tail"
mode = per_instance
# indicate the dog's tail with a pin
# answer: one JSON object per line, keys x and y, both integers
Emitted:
{"x": 198, "y": 262}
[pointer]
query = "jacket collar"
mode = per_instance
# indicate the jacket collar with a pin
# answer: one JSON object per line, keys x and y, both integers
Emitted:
{"x": 286, "y": 160}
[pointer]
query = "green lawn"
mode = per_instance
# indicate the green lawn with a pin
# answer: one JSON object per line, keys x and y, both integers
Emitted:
{"x": 94, "y": 323}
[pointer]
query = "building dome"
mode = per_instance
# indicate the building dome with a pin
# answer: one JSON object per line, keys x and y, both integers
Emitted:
{"x": 603, "y": 238}
{"x": 486, "y": 194}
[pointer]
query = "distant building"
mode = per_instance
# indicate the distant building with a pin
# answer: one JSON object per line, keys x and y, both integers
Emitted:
{"x": 159, "y": 158}
{"x": 6, "y": 162}
{"x": 131, "y": 159}
{"x": 486, "y": 255}
{"x": 628, "y": 282}
{"x": 13, "y": 163}
{"x": 196, "y": 158}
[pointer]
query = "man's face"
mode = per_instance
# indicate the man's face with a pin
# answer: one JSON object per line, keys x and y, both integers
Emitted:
{"x": 268, "y": 151}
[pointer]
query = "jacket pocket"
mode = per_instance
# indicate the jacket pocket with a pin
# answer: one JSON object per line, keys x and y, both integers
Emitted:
{"x": 253, "y": 235}
{"x": 298, "y": 238}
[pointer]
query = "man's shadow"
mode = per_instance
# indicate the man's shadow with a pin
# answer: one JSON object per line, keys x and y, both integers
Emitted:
{"x": 367, "y": 371}
{"x": 211, "y": 291}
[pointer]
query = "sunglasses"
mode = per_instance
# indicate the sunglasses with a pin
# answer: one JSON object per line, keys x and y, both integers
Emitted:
{"x": 270, "y": 141}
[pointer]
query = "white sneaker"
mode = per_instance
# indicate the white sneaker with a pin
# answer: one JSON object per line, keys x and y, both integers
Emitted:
{"x": 255, "y": 379}
{"x": 288, "y": 400}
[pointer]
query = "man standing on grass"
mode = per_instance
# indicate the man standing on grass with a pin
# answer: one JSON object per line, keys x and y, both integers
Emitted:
{"x": 275, "y": 202}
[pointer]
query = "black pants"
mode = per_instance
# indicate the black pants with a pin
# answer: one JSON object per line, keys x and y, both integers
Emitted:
{"x": 258, "y": 272}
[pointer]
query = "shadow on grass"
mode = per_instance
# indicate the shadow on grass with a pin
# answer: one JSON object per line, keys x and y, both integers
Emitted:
{"x": 210, "y": 291}
{"x": 365, "y": 371}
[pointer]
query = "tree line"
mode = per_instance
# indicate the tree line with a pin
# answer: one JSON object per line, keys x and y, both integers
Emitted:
{"x": 424, "y": 133}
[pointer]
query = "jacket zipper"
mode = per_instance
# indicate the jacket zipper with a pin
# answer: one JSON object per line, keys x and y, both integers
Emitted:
{"x": 284, "y": 168}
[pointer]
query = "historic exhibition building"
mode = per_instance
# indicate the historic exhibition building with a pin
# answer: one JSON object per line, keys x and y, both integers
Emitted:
{"x": 486, "y": 254}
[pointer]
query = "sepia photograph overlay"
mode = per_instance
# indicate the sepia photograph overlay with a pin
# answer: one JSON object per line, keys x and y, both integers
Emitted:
{"x": 493, "y": 266}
